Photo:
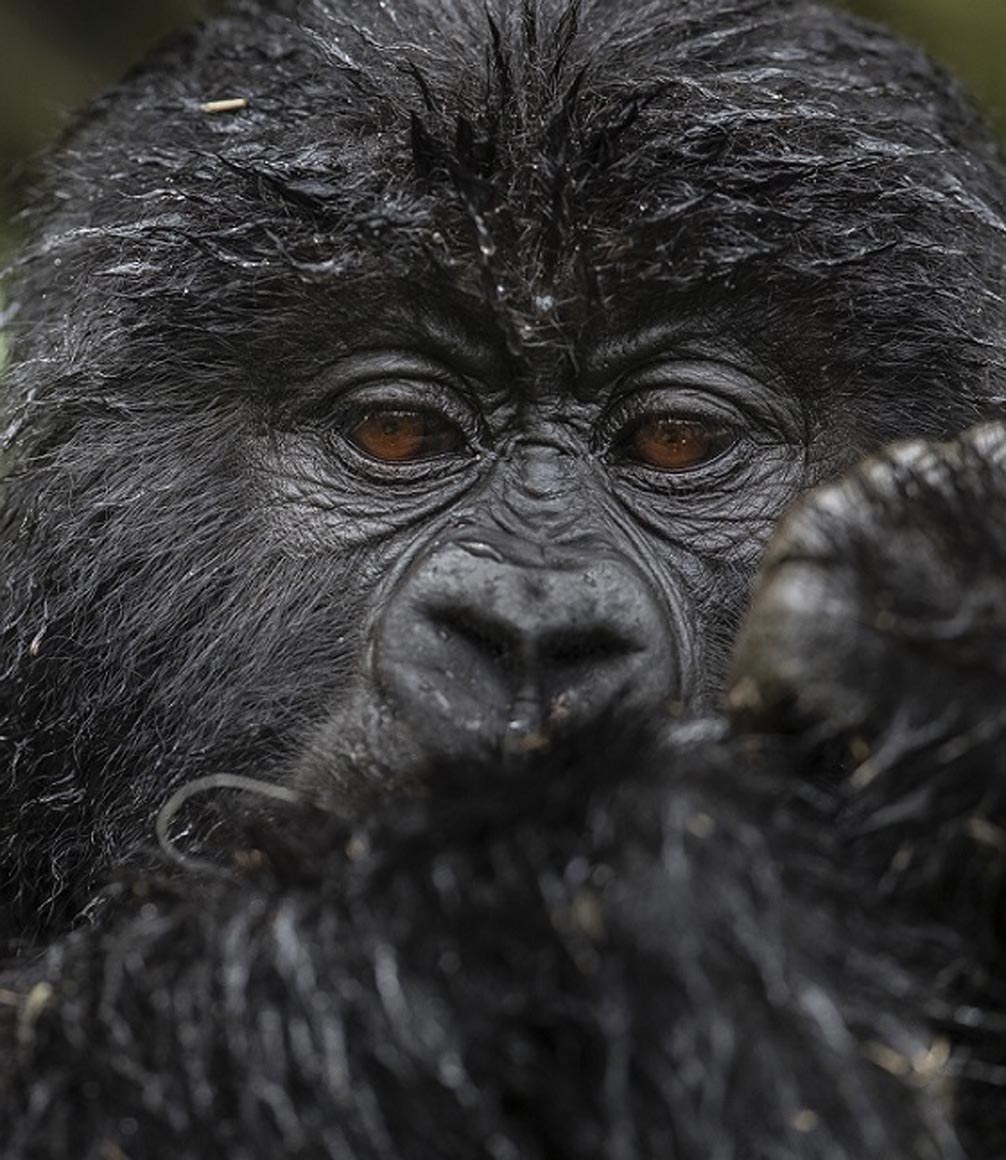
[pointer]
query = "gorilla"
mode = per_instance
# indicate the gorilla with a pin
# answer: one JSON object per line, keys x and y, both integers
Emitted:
{"x": 401, "y": 399}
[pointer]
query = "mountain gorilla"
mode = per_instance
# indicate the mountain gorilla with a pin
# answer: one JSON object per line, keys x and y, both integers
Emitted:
{"x": 406, "y": 390}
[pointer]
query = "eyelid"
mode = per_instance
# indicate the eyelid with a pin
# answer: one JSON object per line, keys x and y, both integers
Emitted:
{"x": 717, "y": 386}
{"x": 394, "y": 373}
{"x": 705, "y": 375}
{"x": 623, "y": 445}
{"x": 400, "y": 392}
{"x": 687, "y": 405}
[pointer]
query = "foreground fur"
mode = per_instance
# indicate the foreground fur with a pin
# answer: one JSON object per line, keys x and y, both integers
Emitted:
{"x": 648, "y": 955}
{"x": 711, "y": 943}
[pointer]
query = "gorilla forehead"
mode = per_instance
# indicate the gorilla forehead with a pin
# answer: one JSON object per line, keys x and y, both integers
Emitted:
{"x": 770, "y": 171}
{"x": 583, "y": 148}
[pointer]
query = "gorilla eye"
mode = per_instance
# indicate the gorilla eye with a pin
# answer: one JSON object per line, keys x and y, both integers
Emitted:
{"x": 670, "y": 444}
{"x": 402, "y": 436}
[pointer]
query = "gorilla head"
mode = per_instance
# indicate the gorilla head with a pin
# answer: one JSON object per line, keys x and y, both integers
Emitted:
{"x": 417, "y": 379}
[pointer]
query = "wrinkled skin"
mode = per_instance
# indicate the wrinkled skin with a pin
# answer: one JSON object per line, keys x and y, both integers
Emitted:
{"x": 445, "y": 396}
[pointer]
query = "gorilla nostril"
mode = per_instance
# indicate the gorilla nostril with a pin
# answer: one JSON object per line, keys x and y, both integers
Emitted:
{"x": 595, "y": 646}
{"x": 493, "y": 639}
{"x": 510, "y": 646}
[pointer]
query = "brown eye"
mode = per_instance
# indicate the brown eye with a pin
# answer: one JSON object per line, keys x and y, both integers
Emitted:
{"x": 404, "y": 436}
{"x": 672, "y": 444}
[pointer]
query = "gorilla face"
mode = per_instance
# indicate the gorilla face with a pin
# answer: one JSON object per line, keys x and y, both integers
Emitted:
{"x": 532, "y": 536}
{"x": 439, "y": 396}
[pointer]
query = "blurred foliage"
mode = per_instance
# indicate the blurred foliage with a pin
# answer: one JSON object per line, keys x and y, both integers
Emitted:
{"x": 968, "y": 36}
{"x": 55, "y": 54}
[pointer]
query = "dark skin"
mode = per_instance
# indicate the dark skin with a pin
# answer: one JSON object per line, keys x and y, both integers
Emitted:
{"x": 545, "y": 536}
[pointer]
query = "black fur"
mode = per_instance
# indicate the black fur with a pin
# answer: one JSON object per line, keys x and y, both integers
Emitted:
{"x": 771, "y": 934}
{"x": 652, "y": 955}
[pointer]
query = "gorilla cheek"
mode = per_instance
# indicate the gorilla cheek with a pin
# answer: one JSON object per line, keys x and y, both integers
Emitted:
{"x": 490, "y": 645}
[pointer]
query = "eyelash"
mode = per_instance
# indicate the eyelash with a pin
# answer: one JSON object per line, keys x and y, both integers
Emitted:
{"x": 668, "y": 442}
{"x": 398, "y": 430}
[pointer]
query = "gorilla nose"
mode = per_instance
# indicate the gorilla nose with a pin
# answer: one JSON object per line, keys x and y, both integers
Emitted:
{"x": 476, "y": 649}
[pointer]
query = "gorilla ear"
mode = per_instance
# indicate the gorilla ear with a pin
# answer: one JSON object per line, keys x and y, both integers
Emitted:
{"x": 882, "y": 597}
